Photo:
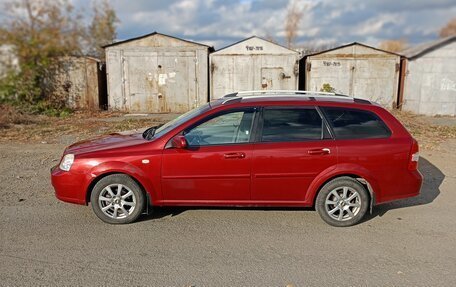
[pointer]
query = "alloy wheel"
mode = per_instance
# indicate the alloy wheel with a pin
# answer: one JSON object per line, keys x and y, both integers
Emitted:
{"x": 117, "y": 201}
{"x": 343, "y": 203}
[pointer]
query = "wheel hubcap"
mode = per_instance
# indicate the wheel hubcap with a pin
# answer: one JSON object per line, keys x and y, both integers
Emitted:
{"x": 343, "y": 203}
{"x": 117, "y": 201}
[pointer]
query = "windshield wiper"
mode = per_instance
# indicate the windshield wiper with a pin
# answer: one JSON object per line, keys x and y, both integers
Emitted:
{"x": 150, "y": 132}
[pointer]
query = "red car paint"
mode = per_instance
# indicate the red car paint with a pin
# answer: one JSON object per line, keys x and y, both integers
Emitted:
{"x": 245, "y": 174}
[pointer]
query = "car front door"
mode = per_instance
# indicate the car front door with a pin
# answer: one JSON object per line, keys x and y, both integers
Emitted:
{"x": 293, "y": 147}
{"x": 216, "y": 165}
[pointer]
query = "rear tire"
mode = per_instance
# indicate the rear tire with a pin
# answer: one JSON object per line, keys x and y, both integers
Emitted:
{"x": 342, "y": 202}
{"x": 117, "y": 199}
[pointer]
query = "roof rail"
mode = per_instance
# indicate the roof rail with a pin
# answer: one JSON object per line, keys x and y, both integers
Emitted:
{"x": 232, "y": 97}
{"x": 245, "y": 94}
{"x": 293, "y": 92}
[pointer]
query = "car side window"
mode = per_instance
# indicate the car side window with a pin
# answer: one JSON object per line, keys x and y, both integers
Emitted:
{"x": 356, "y": 124}
{"x": 228, "y": 128}
{"x": 291, "y": 124}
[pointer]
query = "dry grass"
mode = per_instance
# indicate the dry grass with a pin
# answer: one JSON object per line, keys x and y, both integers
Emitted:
{"x": 428, "y": 135}
{"x": 18, "y": 127}
{"x": 9, "y": 116}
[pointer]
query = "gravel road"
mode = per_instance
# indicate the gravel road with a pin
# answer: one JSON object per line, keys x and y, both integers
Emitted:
{"x": 47, "y": 242}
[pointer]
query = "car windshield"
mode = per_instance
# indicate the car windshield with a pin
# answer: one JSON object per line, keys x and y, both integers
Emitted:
{"x": 180, "y": 120}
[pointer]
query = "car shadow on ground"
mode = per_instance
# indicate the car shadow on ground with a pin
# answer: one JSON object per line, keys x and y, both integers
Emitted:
{"x": 430, "y": 190}
{"x": 170, "y": 211}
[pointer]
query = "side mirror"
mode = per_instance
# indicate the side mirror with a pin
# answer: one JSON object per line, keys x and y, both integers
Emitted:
{"x": 179, "y": 142}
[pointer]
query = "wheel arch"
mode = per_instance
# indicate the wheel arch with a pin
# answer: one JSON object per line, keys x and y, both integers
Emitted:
{"x": 103, "y": 175}
{"x": 360, "y": 174}
{"x": 358, "y": 178}
{"x": 140, "y": 179}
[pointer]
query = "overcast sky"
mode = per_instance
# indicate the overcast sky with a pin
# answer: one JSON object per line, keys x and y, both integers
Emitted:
{"x": 222, "y": 22}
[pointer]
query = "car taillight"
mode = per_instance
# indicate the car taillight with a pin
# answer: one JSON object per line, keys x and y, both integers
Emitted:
{"x": 414, "y": 156}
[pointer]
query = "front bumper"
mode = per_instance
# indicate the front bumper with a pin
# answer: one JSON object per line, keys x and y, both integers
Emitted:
{"x": 69, "y": 186}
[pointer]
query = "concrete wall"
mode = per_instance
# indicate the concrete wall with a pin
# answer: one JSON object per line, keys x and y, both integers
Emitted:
{"x": 430, "y": 82}
{"x": 253, "y": 64}
{"x": 357, "y": 71}
{"x": 157, "y": 74}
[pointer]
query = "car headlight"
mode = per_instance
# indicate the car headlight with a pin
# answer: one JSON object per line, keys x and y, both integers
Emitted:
{"x": 66, "y": 162}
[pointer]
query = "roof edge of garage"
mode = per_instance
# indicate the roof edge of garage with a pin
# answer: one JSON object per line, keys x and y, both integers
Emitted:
{"x": 151, "y": 34}
{"x": 251, "y": 37}
{"x": 351, "y": 44}
{"x": 418, "y": 51}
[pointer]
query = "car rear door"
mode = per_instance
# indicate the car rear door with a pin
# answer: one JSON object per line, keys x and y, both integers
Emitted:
{"x": 294, "y": 146}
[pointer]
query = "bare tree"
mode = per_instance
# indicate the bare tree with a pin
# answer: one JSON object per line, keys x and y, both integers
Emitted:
{"x": 449, "y": 29}
{"x": 311, "y": 47}
{"x": 102, "y": 30}
{"x": 41, "y": 31}
{"x": 270, "y": 38}
{"x": 294, "y": 16}
{"x": 393, "y": 45}
{"x": 38, "y": 30}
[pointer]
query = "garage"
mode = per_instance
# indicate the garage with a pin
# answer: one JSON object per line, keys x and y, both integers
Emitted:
{"x": 253, "y": 64}
{"x": 356, "y": 70}
{"x": 157, "y": 73}
{"x": 430, "y": 80}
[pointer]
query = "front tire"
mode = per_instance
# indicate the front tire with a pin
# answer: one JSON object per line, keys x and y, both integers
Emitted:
{"x": 342, "y": 202}
{"x": 117, "y": 199}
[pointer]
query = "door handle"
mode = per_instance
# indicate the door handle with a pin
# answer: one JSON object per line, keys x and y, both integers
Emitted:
{"x": 234, "y": 155}
{"x": 320, "y": 151}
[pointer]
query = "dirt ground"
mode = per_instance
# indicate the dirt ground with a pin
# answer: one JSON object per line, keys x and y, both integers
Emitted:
{"x": 77, "y": 126}
{"x": 47, "y": 242}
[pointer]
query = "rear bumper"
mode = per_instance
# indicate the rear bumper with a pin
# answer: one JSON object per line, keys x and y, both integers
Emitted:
{"x": 410, "y": 186}
{"x": 68, "y": 186}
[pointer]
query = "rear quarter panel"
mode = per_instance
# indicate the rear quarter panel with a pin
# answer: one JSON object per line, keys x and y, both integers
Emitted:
{"x": 383, "y": 161}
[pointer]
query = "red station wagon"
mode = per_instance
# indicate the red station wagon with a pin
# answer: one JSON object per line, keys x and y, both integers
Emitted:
{"x": 341, "y": 155}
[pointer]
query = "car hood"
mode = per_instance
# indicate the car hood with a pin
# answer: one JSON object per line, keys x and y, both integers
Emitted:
{"x": 111, "y": 141}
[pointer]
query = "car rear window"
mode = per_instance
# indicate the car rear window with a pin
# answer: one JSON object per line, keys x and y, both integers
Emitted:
{"x": 356, "y": 124}
{"x": 291, "y": 124}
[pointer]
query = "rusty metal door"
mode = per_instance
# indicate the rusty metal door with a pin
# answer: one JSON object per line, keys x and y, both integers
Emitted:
{"x": 338, "y": 73}
{"x": 160, "y": 82}
{"x": 376, "y": 80}
{"x": 243, "y": 74}
{"x": 177, "y": 81}
{"x": 273, "y": 78}
{"x": 232, "y": 74}
{"x": 140, "y": 85}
